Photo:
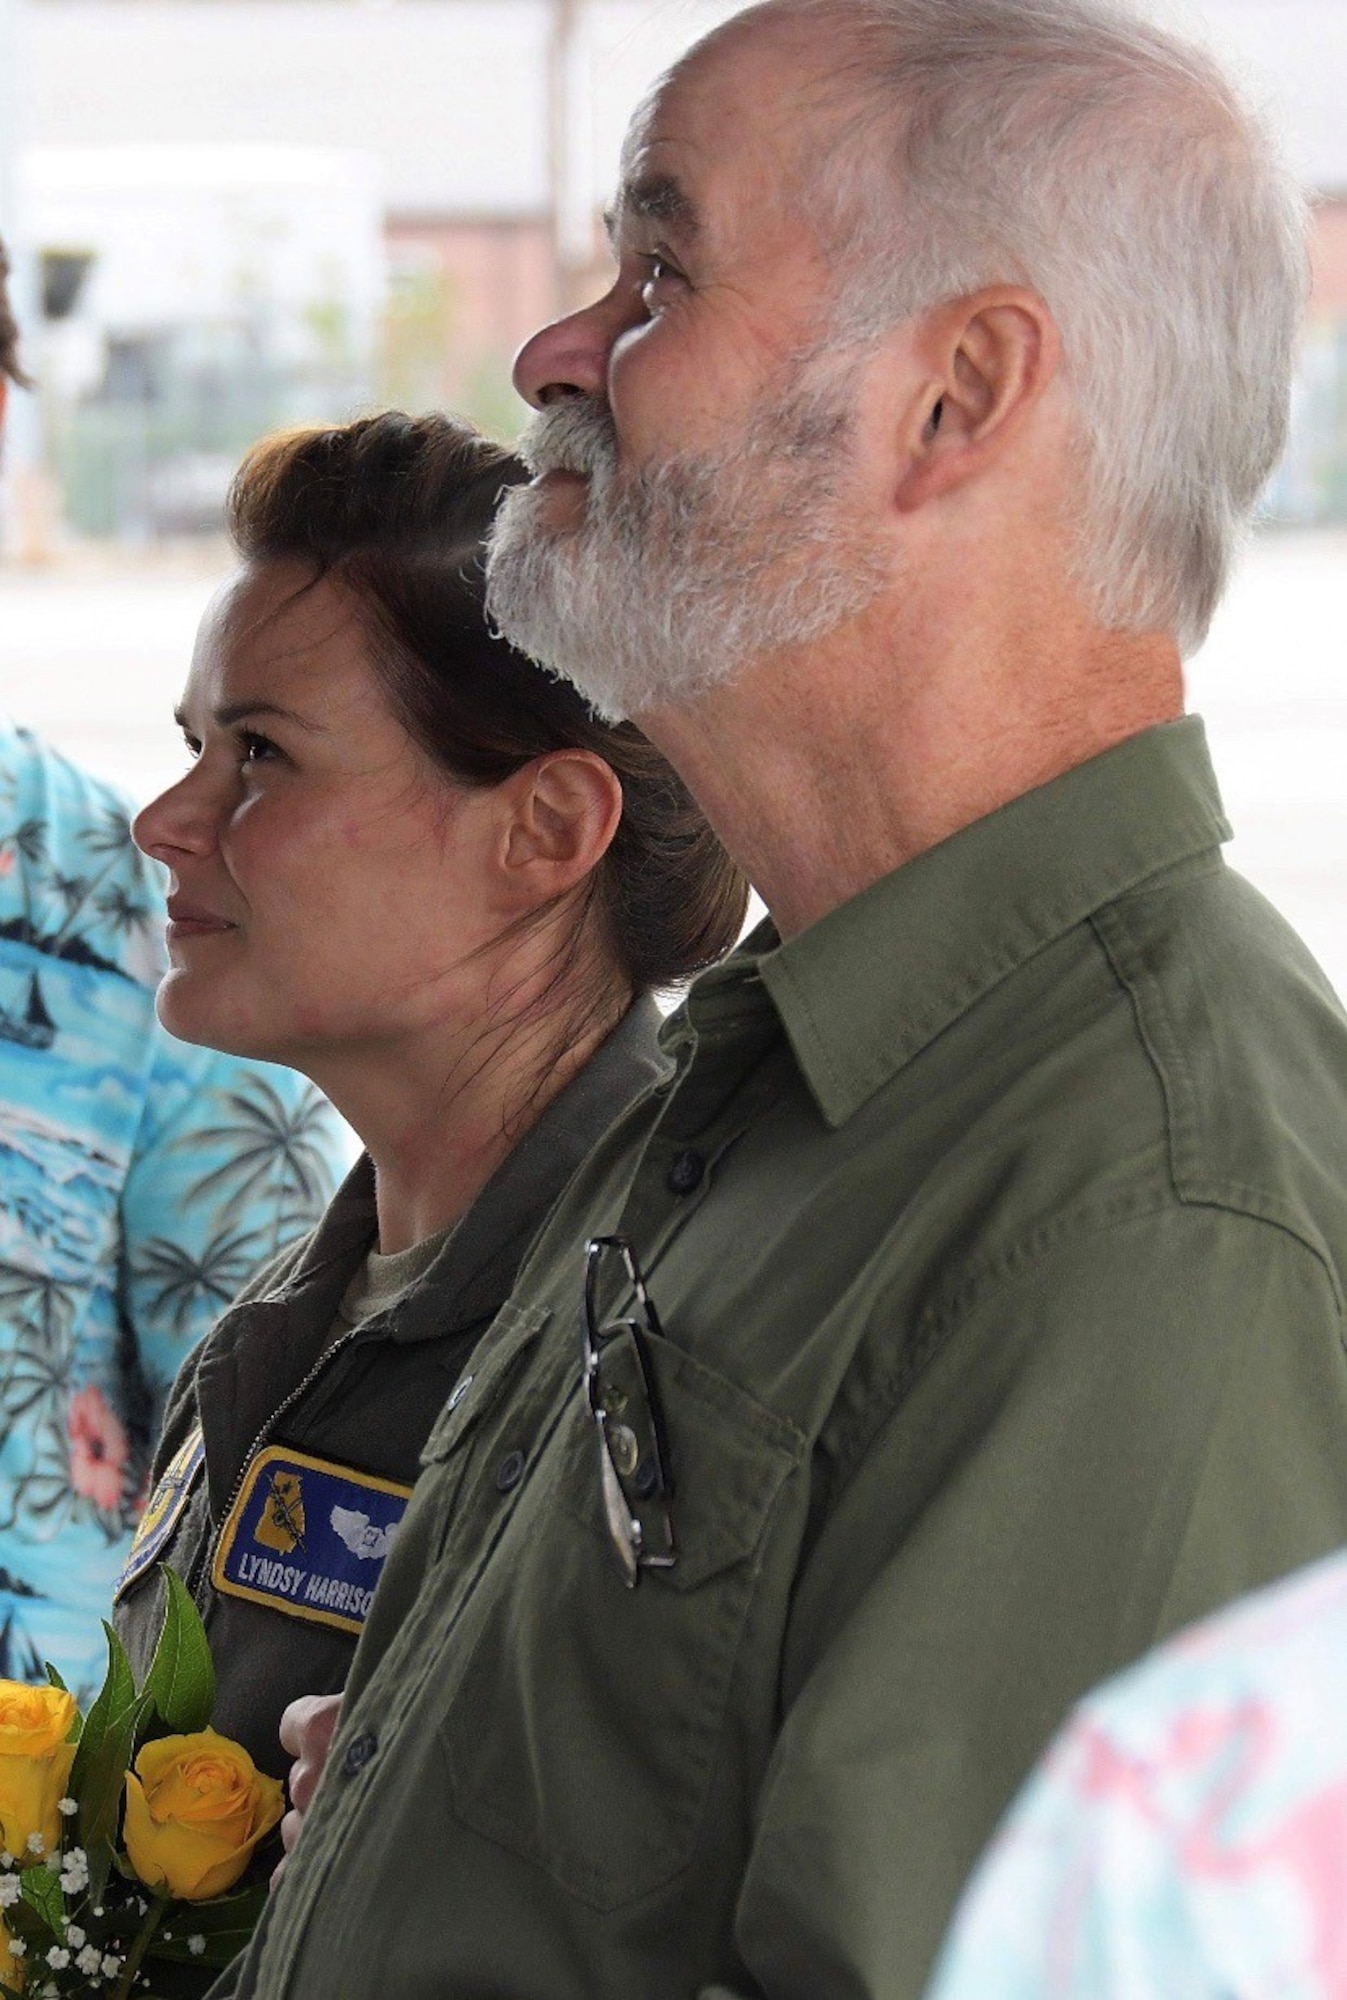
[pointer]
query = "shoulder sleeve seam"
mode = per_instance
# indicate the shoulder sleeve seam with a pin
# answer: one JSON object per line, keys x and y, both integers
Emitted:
{"x": 1165, "y": 1053}
{"x": 942, "y": 1320}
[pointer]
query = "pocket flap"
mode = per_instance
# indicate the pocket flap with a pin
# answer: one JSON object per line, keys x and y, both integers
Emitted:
{"x": 728, "y": 1456}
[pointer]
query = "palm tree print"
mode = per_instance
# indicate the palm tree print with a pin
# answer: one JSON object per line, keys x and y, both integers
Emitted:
{"x": 124, "y": 911}
{"x": 29, "y": 840}
{"x": 34, "y": 1393}
{"x": 42, "y": 1496}
{"x": 113, "y": 889}
{"x": 69, "y": 890}
{"x": 108, "y": 839}
{"x": 34, "y": 1383}
{"x": 278, "y": 1153}
{"x": 19, "y": 1657}
{"x": 41, "y": 1303}
{"x": 185, "y": 1282}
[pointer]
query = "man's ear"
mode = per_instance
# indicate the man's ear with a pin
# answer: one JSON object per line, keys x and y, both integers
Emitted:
{"x": 564, "y": 811}
{"x": 991, "y": 358}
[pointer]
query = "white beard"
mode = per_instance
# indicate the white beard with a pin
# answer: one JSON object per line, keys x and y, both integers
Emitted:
{"x": 677, "y": 576}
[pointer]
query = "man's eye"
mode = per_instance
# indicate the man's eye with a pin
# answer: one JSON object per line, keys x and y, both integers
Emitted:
{"x": 192, "y": 744}
{"x": 660, "y": 278}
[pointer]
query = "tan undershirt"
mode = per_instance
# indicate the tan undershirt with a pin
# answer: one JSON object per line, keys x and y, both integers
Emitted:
{"x": 380, "y": 1281}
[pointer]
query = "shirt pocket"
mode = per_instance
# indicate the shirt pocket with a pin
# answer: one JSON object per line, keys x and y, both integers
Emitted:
{"x": 585, "y": 1725}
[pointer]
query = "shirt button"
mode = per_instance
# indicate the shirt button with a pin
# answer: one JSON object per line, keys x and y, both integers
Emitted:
{"x": 510, "y": 1471}
{"x": 686, "y": 1173}
{"x": 459, "y": 1391}
{"x": 358, "y": 1753}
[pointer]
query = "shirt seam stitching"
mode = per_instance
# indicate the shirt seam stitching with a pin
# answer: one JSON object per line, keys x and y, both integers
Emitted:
{"x": 1164, "y": 1052}
{"x": 941, "y": 1322}
{"x": 1077, "y": 906}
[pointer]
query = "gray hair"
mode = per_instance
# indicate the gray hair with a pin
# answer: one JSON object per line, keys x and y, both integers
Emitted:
{"x": 1070, "y": 146}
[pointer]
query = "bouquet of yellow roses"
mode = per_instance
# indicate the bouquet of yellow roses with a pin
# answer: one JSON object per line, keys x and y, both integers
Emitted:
{"x": 122, "y": 1831}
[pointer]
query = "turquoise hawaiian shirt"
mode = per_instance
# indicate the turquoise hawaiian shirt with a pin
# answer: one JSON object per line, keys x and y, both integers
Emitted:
{"x": 1186, "y": 1838}
{"x": 141, "y": 1182}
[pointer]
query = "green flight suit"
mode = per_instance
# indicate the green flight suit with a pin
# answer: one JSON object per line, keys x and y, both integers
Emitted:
{"x": 997, "y": 1226}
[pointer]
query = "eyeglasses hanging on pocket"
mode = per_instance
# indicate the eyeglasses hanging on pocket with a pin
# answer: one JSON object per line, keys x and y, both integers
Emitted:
{"x": 624, "y": 1403}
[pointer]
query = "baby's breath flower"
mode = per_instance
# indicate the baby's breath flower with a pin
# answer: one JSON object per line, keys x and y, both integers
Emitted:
{"x": 17, "y": 1947}
{"x": 89, "y": 1959}
{"x": 6, "y": 1858}
{"x": 68, "y": 1806}
{"x": 36, "y": 1844}
{"x": 196, "y": 1944}
{"x": 11, "y": 1888}
{"x": 75, "y": 1872}
{"x": 74, "y": 1935}
{"x": 112, "y": 1965}
{"x": 58, "y": 1958}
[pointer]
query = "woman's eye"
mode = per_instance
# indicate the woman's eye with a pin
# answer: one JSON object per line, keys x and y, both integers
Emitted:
{"x": 256, "y": 749}
{"x": 192, "y": 744}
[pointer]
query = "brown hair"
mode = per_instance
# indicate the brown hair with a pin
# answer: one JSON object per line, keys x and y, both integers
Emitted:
{"x": 9, "y": 329}
{"x": 397, "y": 508}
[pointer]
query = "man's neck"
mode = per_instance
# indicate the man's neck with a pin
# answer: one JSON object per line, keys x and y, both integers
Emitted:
{"x": 823, "y": 774}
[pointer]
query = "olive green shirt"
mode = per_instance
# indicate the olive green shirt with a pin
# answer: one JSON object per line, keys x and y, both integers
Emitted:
{"x": 997, "y": 1226}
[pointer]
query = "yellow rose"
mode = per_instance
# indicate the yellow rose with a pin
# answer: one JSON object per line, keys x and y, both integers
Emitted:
{"x": 196, "y": 1807}
{"x": 35, "y": 1762}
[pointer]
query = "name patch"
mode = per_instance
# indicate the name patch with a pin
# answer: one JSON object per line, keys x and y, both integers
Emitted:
{"x": 308, "y": 1537}
{"x": 163, "y": 1509}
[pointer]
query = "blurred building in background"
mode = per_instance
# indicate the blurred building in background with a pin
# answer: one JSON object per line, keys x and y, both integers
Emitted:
{"x": 191, "y": 298}
{"x": 237, "y": 214}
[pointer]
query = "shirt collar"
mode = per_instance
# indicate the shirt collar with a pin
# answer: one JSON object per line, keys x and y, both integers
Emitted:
{"x": 476, "y": 1264}
{"x": 476, "y": 1269}
{"x": 872, "y": 983}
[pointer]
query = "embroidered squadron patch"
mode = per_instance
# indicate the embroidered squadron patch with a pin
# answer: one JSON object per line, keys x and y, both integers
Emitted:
{"x": 165, "y": 1506}
{"x": 308, "y": 1537}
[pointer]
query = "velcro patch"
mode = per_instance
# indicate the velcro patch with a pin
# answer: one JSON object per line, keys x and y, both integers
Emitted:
{"x": 308, "y": 1537}
{"x": 163, "y": 1509}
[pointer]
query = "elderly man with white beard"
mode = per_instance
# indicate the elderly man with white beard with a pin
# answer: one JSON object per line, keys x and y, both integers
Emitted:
{"x": 966, "y": 1311}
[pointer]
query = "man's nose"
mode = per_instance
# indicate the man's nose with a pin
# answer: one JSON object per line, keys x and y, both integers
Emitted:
{"x": 570, "y": 357}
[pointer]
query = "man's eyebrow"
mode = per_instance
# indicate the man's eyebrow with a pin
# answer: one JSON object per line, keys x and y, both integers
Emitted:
{"x": 238, "y": 711}
{"x": 657, "y": 198}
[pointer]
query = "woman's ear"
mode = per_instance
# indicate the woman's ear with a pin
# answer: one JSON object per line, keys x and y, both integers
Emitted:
{"x": 565, "y": 809}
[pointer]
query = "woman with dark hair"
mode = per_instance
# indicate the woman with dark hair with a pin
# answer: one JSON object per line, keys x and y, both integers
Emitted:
{"x": 413, "y": 866}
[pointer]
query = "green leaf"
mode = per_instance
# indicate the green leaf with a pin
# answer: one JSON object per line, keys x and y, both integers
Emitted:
{"x": 181, "y": 1680}
{"x": 226, "y": 1923}
{"x": 72, "y": 1734}
{"x": 41, "y": 1890}
{"x": 98, "y": 1776}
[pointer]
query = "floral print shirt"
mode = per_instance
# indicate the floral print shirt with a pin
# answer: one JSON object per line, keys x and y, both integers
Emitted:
{"x": 141, "y": 1182}
{"x": 1186, "y": 1837}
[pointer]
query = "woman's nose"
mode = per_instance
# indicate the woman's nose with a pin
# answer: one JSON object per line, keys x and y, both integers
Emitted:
{"x": 185, "y": 819}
